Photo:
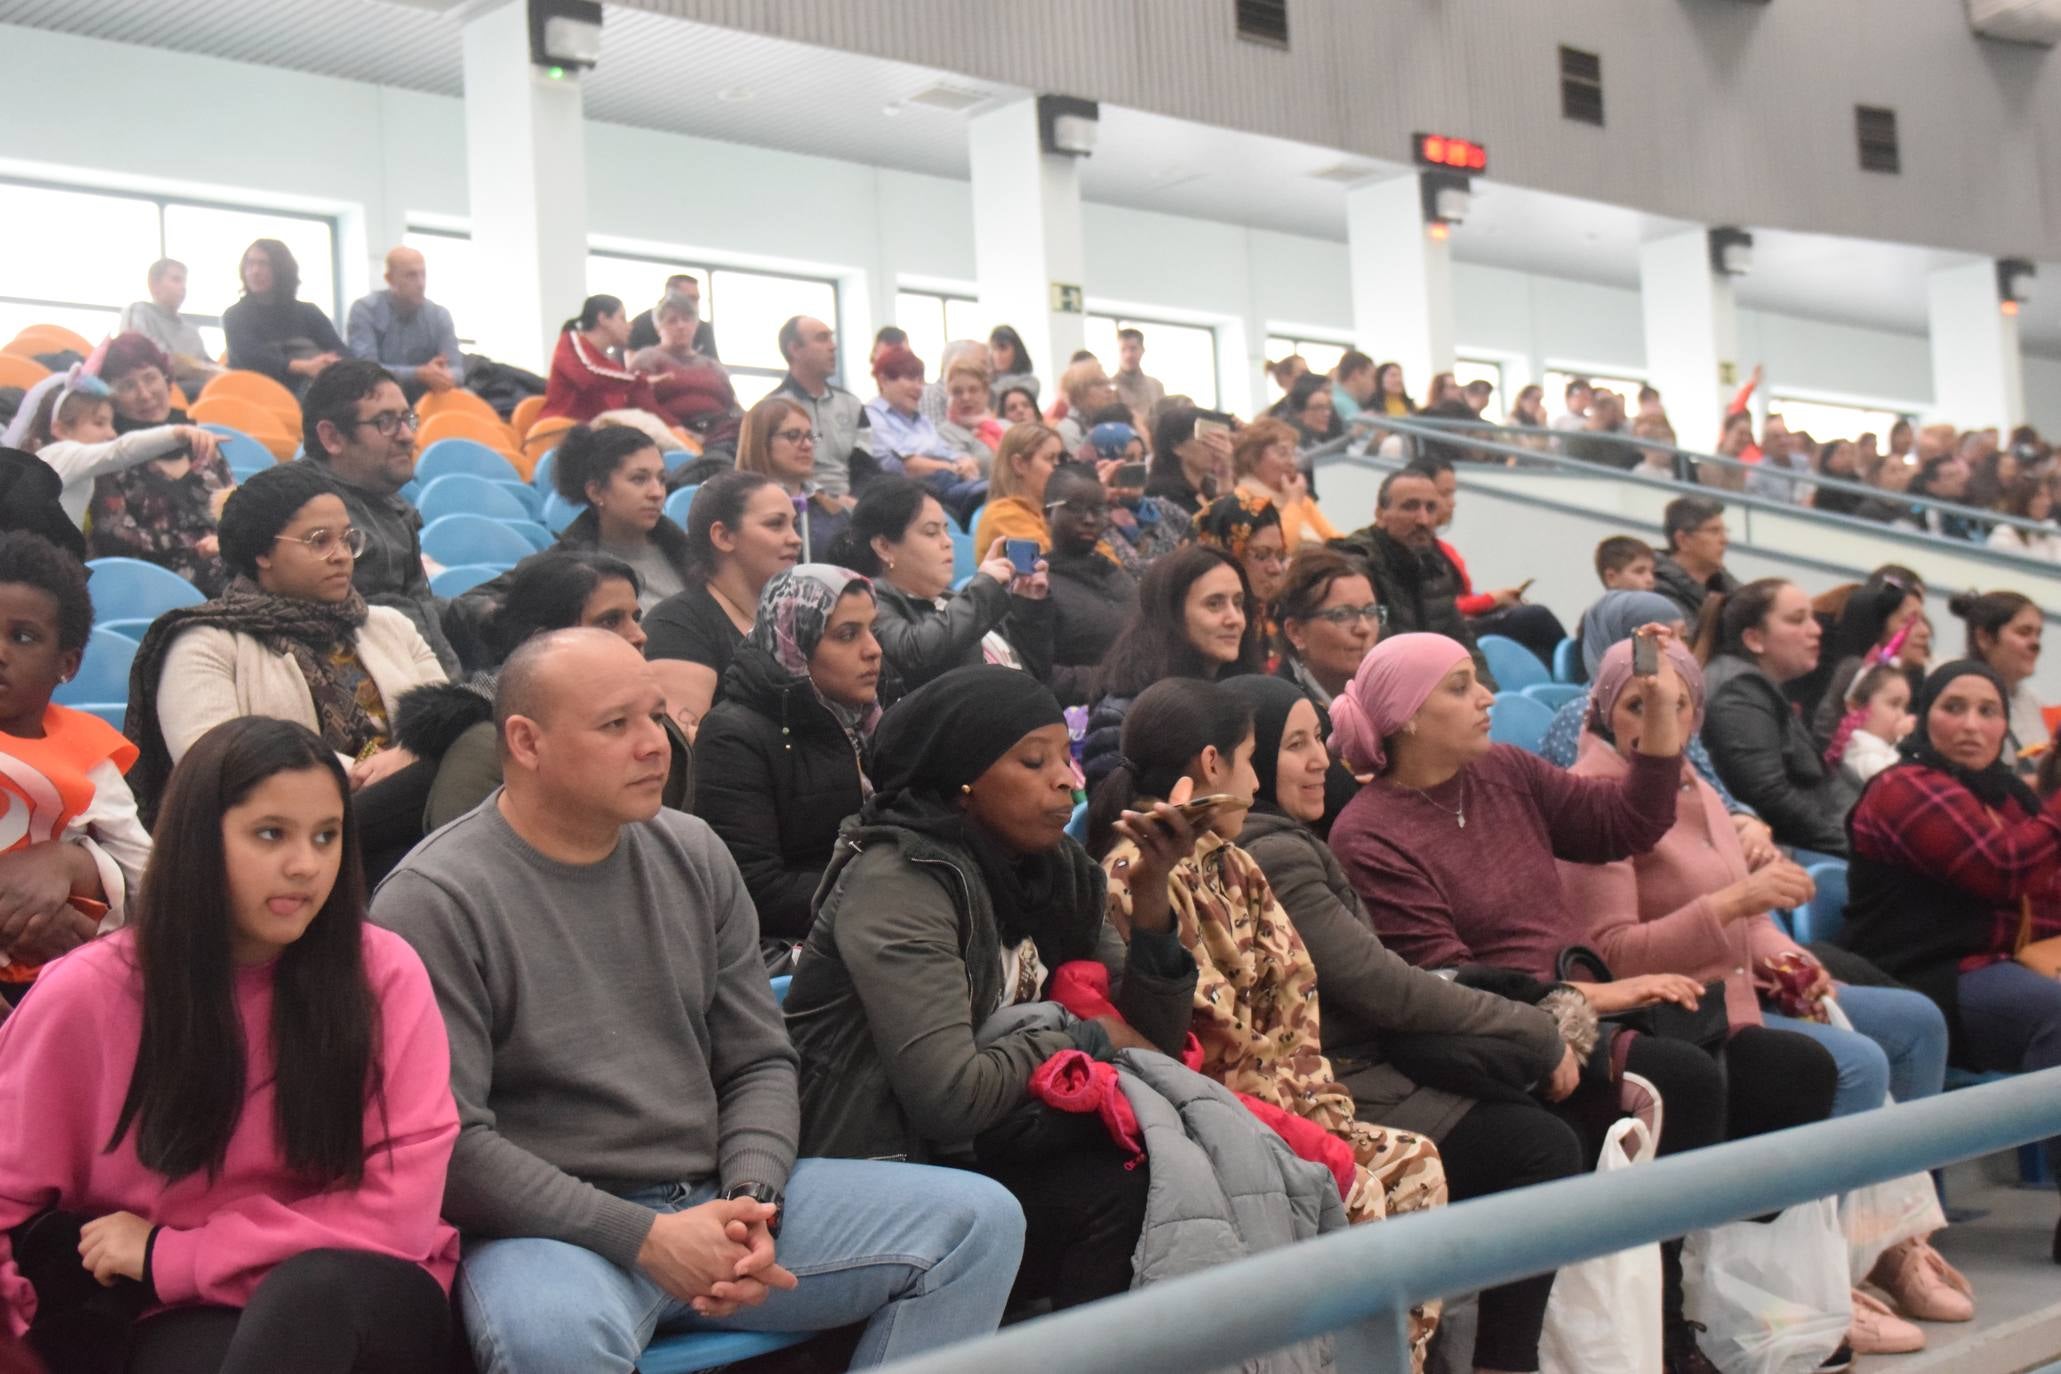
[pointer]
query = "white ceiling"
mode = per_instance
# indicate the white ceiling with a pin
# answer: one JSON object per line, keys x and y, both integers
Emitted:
{"x": 676, "y": 75}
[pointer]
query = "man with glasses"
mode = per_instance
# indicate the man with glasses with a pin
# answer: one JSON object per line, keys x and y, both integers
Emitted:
{"x": 357, "y": 428}
{"x": 1091, "y": 595}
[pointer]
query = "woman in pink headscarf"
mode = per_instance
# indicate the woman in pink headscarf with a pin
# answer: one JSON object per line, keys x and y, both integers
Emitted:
{"x": 1452, "y": 847}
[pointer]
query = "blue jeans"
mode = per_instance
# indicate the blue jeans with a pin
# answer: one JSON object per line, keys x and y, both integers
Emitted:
{"x": 924, "y": 1256}
{"x": 2011, "y": 1022}
{"x": 1898, "y": 1046}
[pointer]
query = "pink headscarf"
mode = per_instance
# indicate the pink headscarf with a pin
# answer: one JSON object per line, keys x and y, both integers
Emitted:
{"x": 1614, "y": 677}
{"x": 1393, "y": 682}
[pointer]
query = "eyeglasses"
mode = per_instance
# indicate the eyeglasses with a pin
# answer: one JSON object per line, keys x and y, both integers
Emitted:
{"x": 323, "y": 543}
{"x": 1345, "y": 616}
{"x": 1078, "y": 507}
{"x": 390, "y": 422}
{"x": 796, "y": 436}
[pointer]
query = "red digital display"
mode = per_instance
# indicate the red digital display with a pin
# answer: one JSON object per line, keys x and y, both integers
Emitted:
{"x": 1458, "y": 154}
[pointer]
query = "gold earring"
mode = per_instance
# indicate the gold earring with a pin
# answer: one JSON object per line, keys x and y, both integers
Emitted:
{"x": 1411, "y": 728}
{"x": 966, "y": 788}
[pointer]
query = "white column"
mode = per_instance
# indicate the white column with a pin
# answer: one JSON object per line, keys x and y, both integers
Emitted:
{"x": 1402, "y": 280}
{"x": 526, "y": 179}
{"x": 1978, "y": 376}
{"x": 1692, "y": 334}
{"x": 1027, "y": 236}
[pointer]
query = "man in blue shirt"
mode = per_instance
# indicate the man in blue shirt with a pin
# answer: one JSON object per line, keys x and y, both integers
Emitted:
{"x": 405, "y": 332}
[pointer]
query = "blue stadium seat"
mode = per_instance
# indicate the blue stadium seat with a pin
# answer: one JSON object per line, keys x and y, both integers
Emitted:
{"x": 1567, "y": 662}
{"x": 462, "y": 579}
{"x": 457, "y": 539}
{"x": 1823, "y": 915}
{"x": 103, "y": 676}
{"x": 973, "y": 518}
{"x": 1555, "y": 694}
{"x": 132, "y": 629}
{"x": 1077, "y": 823}
{"x": 131, "y": 589}
{"x": 540, "y": 476}
{"x": 539, "y": 537}
{"x": 411, "y": 491}
{"x": 1518, "y": 719}
{"x": 678, "y": 503}
{"x": 243, "y": 454}
{"x": 964, "y": 564}
{"x": 698, "y": 1350}
{"x": 558, "y": 513}
{"x": 677, "y": 458}
{"x": 447, "y": 456}
{"x": 461, "y": 493}
{"x": 1514, "y": 666}
{"x": 113, "y": 712}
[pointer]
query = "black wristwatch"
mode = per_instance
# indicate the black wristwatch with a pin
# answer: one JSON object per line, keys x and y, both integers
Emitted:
{"x": 766, "y": 1193}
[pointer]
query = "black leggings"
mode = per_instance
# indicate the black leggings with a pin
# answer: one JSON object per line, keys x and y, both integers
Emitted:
{"x": 321, "y": 1312}
{"x": 389, "y": 815}
{"x": 1082, "y": 1212}
{"x": 1497, "y": 1146}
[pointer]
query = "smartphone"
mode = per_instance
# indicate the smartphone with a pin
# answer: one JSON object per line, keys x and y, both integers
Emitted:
{"x": 1645, "y": 656}
{"x": 1130, "y": 475}
{"x": 1023, "y": 553}
{"x": 1524, "y": 587}
{"x": 1205, "y": 427}
{"x": 1197, "y": 809}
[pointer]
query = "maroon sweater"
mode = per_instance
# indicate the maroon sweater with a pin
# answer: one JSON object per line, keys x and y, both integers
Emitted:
{"x": 1440, "y": 895}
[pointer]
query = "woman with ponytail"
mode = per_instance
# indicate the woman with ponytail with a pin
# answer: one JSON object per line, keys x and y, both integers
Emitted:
{"x": 588, "y": 375}
{"x": 245, "y": 1171}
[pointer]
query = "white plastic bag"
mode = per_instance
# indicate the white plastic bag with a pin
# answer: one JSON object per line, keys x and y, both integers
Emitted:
{"x": 1604, "y": 1316}
{"x": 1888, "y": 1213}
{"x": 1774, "y": 1298}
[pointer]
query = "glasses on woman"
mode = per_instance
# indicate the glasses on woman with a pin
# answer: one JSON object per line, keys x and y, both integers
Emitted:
{"x": 1344, "y": 617}
{"x": 322, "y": 543}
{"x": 796, "y": 436}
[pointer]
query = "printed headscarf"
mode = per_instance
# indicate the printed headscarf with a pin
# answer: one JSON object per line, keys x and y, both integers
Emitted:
{"x": 794, "y": 611}
{"x": 1230, "y": 522}
{"x": 1112, "y": 439}
{"x": 1393, "y": 682}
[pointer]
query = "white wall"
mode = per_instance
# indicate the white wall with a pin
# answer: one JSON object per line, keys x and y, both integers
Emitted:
{"x": 376, "y": 156}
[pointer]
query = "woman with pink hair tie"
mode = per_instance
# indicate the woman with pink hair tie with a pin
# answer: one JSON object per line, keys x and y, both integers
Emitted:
{"x": 1452, "y": 845}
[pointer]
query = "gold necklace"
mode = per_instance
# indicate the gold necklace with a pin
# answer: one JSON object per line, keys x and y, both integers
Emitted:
{"x": 1458, "y": 813}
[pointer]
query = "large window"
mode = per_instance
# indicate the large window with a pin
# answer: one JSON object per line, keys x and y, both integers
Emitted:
{"x": 1182, "y": 356}
{"x": 746, "y": 309}
{"x": 1555, "y": 381}
{"x": 453, "y": 270}
{"x": 1825, "y": 421}
{"x": 932, "y": 319}
{"x": 1467, "y": 371}
{"x": 1321, "y": 354}
{"x": 76, "y": 258}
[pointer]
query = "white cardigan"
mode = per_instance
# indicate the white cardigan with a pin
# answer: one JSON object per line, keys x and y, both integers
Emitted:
{"x": 78, "y": 464}
{"x": 212, "y": 675}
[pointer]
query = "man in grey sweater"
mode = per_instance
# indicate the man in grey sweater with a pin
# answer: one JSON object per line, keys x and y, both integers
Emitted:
{"x": 625, "y": 1086}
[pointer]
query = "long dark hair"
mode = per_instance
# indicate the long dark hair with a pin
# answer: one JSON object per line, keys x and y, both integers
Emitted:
{"x": 186, "y": 1095}
{"x": 1866, "y": 614}
{"x": 1154, "y": 643}
{"x": 1745, "y": 609}
{"x": 1021, "y": 361}
{"x": 1168, "y": 725}
{"x": 721, "y": 501}
{"x": 549, "y": 591}
{"x": 1987, "y": 613}
{"x": 591, "y": 311}
{"x": 286, "y": 273}
{"x": 889, "y": 507}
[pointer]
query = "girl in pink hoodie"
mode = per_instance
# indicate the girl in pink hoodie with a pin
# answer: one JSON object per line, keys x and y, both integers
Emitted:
{"x": 224, "y": 1129}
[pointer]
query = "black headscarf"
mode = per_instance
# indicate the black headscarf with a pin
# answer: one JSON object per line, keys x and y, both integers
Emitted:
{"x": 1992, "y": 785}
{"x": 1271, "y": 699}
{"x": 937, "y": 740}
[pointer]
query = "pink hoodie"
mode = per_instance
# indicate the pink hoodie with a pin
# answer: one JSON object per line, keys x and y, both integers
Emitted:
{"x": 66, "y": 1057}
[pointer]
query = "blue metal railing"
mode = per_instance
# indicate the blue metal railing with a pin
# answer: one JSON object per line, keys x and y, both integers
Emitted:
{"x": 1361, "y": 1283}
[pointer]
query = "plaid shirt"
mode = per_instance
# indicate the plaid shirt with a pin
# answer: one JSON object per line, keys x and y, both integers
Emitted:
{"x": 1921, "y": 819}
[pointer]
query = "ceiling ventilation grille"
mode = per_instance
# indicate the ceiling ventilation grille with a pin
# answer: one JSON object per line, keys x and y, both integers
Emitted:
{"x": 1581, "y": 86}
{"x": 1264, "y": 21}
{"x": 1877, "y": 130}
{"x": 943, "y": 97}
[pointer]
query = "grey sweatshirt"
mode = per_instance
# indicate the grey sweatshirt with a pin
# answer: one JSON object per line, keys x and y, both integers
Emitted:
{"x": 611, "y": 1025}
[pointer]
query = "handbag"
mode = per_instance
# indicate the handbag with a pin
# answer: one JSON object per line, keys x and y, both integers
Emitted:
{"x": 1708, "y": 1026}
{"x": 2041, "y": 956}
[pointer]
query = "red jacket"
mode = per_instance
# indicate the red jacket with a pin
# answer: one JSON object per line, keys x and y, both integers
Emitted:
{"x": 585, "y": 382}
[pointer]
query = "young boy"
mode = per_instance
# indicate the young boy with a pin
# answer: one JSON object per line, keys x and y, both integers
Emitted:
{"x": 1625, "y": 564}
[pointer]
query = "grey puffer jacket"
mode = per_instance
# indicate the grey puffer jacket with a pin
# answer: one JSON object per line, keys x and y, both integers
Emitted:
{"x": 1222, "y": 1187}
{"x": 1365, "y": 992}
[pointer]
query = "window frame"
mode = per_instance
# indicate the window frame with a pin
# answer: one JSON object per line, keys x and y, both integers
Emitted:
{"x": 162, "y": 201}
{"x": 707, "y": 268}
{"x": 1130, "y": 319}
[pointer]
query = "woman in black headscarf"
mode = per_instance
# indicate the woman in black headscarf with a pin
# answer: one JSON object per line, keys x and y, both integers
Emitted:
{"x": 1501, "y": 1060}
{"x": 1954, "y": 871}
{"x": 954, "y": 893}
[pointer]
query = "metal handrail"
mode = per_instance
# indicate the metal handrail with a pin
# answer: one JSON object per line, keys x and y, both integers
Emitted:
{"x": 1360, "y": 1283}
{"x": 1418, "y": 424}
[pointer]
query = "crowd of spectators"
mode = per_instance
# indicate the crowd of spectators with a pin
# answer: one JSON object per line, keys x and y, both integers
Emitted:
{"x": 1117, "y": 812}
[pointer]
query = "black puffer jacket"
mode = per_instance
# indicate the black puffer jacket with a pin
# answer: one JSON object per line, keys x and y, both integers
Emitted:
{"x": 778, "y": 775}
{"x": 1103, "y": 744}
{"x": 1419, "y": 589}
{"x": 1765, "y": 754}
{"x": 1091, "y": 599}
{"x": 921, "y": 641}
